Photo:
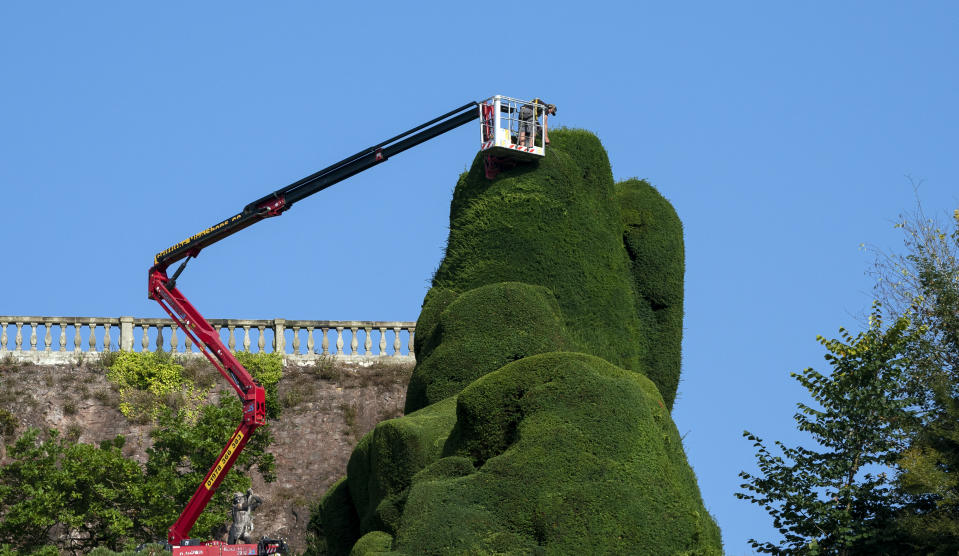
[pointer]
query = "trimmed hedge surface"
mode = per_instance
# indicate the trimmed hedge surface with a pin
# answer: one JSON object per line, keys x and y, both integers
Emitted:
{"x": 479, "y": 332}
{"x": 548, "y": 356}
{"x": 551, "y": 223}
{"x": 561, "y": 451}
{"x": 653, "y": 238}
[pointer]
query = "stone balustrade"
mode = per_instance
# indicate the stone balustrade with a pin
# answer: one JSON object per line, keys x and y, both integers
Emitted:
{"x": 61, "y": 340}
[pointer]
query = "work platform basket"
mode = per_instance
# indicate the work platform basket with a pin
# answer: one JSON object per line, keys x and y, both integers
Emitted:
{"x": 509, "y": 130}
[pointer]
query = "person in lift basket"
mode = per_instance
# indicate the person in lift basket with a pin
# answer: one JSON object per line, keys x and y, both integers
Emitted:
{"x": 528, "y": 125}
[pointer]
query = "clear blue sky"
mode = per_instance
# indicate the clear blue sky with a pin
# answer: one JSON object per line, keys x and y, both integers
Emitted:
{"x": 782, "y": 133}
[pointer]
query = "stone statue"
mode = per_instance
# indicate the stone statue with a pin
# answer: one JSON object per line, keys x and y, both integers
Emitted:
{"x": 243, "y": 506}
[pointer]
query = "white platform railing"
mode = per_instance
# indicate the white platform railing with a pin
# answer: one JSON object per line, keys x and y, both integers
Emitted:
{"x": 58, "y": 340}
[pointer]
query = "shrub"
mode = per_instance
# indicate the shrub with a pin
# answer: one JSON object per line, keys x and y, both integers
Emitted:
{"x": 150, "y": 380}
{"x": 267, "y": 370}
{"x": 8, "y": 424}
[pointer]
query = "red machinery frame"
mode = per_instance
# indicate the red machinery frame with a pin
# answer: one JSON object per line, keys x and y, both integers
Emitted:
{"x": 252, "y": 395}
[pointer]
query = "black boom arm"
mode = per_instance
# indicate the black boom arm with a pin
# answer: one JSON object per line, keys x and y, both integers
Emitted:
{"x": 282, "y": 199}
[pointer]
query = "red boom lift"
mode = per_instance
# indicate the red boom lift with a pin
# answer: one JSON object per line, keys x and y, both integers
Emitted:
{"x": 164, "y": 290}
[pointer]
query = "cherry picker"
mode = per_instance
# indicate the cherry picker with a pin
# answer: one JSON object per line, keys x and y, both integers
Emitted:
{"x": 498, "y": 141}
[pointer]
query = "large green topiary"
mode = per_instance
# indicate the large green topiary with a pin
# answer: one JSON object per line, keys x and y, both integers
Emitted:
{"x": 571, "y": 454}
{"x": 548, "y": 355}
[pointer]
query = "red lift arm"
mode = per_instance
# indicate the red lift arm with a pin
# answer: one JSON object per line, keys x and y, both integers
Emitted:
{"x": 163, "y": 289}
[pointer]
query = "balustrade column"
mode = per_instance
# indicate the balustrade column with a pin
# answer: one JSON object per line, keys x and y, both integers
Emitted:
{"x": 145, "y": 342}
{"x": 106, "y": 337}
{"x": 339, "y": 340}
{"x": 353, "y": 341}
{"x": 396, "y": 342}
{"x": 382, "y": 341}
{"x": 368, "y": 341}
{"x": 63, "y": 336}
{"x": 296, "y": 340}
{"x": 410, "y": 346}
{"x": 173, "y": 340}
{"x": 3, "y": 337}
{"x": 47, "y": 337}
{"x": 325, "y": 344}
{"x": 19, "y": 338}
{"x": 93, "y": 336}
{"x": 33, "y": 336}
{"x": 232, "y": 343}
{"x": 309, "y": 340}
{"x": 126, "y": 333}
{"x": 246, "y": 338}
{"x": 279, "y": 336}
{"x": 159, "y": 344}
{"x": 261, "y": 340}
{"x": 76, "y": 337}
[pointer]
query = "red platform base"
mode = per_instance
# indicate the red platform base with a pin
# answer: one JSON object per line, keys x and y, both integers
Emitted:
{"x": 216, "y": 550}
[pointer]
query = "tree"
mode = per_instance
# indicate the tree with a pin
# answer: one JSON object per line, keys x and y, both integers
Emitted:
{"x": 924, "y": 282}
{"x": 835, "y": 498}
{"x": 892, "y": 401}
{"x": 69, "y": 495}
{"x": 183, "y": 451}
{"x": 187, "y": 442}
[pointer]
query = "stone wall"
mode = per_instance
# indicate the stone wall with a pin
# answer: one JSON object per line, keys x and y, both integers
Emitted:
{"x": 327, "y": 408}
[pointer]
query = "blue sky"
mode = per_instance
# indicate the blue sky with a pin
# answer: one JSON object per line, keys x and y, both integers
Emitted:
{"x": 786, "y": 135}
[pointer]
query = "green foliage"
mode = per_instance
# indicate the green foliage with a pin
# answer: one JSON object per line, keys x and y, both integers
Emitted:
{"x": 336, "y": 520}
{"x": 57, "y": 486}
{"x": 8, "y": 364}
{"x": 315, "y": 537}
{"x": 267, "y": 370}
{"x": 479, "y": 332}
{"x": 544, "y": 456}
{"x": 374, "y": 542}
{"x": 184, "y": 449}
{"x": 8, "y": 424}
{"x": 552, "y": 223}
{"x": 385, "y": 460}
{"x": 891, "y": 405}
{"x": 924, "y": 283}
{"x": 516, "y": 445}
{"x": 53, "y": 486}
{"x": 928, "y": 522}
{"x": 828, "y": 500}
{"x": 150, "y": 380}
{"x": 45, "y": 550}
{"x": 653, "y": 237}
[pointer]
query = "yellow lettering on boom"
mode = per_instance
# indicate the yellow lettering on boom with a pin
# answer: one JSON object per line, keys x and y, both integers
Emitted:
{"x": 195, "y": 237}
{"x": 234, "y": 442}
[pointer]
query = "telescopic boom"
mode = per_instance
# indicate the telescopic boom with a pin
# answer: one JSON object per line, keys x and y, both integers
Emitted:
{"x": 163, "y": 289}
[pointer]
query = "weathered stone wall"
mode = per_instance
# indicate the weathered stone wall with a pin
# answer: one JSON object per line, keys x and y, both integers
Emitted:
{"x": 325, "y": 412}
